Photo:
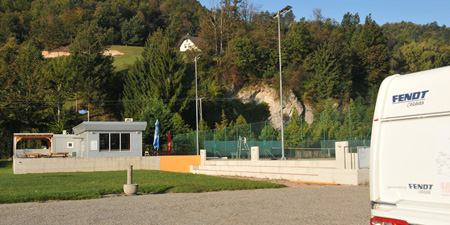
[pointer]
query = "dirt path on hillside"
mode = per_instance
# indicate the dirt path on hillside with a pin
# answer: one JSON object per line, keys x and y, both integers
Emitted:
{"x": 65, "y": 52}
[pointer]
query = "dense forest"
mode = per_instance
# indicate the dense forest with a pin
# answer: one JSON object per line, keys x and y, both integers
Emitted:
{"x": 327, "y": 62}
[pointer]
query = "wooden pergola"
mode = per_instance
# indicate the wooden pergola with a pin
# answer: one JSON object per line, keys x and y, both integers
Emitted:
{"x": 34, "y": 136}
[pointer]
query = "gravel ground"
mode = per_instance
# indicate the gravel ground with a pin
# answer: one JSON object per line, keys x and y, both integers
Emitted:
{"x": 296, "y": 204}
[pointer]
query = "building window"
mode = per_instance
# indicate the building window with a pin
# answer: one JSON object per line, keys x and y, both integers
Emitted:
{"x": 125, "y": 142}
{"x": 114, "y": 142}
{"x": 104, "y": 142}
{"x": 69, "y": 144}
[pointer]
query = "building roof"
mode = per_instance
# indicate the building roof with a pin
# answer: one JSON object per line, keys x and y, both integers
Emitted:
{"x": 190, "y": 37}
{"x": 109, "y": 126}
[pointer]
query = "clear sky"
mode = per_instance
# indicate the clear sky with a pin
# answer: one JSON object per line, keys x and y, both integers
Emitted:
{"x": 383, "y": 11}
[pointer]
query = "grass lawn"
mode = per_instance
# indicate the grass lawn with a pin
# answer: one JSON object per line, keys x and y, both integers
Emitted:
{"x": 131, "y": 54}
{"x": 86, "y": 185}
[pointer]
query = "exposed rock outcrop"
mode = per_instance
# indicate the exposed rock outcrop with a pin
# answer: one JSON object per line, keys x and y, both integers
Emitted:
{"x": 264, "y": 93}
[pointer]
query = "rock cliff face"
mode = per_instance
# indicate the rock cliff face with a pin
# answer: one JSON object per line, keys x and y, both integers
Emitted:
{"x": 264, "y": 93}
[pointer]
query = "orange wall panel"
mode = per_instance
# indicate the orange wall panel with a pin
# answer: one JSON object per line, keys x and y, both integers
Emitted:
{"x": 179, "y": 164}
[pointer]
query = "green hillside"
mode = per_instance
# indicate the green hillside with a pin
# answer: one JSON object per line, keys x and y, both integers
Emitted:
{"x": 131, "y": 54}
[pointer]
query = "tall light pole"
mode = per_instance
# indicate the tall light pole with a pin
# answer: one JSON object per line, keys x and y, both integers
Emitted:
{"x": 196, "y": 98}
{"x": 278, "y": 15}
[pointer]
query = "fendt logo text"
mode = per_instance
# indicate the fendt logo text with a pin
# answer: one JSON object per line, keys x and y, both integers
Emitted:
{"x": 413, "y": 98}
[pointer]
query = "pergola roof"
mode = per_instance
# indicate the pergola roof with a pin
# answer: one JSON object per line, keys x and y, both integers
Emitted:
{"x": 31, "y": 136}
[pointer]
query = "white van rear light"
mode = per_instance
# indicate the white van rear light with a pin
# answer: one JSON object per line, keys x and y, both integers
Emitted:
{"x": 386, "y": 221}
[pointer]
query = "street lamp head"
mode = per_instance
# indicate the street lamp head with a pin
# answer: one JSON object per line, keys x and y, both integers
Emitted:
{"x": 285, "y": 9}
{"x": 197, "y": 57}
{"x": 281, "y": 12}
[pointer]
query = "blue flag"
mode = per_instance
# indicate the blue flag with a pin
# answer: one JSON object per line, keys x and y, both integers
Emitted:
{"x": 156, "y": 137}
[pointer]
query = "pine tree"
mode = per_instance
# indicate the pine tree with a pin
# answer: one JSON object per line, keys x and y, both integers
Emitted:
{"x": 221, "y": 129}
{"x": 160, "y": 74}
{"x": 156, "y": 110}
{"x": 58, "y": 88}
{"x": 90, "y": 67}
{"x": 373, "y": 55}
{"x": 133, "y": 31}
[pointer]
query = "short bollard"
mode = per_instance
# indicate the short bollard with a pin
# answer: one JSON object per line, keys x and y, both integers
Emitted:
{"x": 129, "y": 188}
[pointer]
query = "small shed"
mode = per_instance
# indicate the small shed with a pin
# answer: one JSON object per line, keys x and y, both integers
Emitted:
{"x": 110, "y": 139}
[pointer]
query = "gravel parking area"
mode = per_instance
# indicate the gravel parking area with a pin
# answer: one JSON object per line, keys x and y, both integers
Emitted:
{"x": 297, "y": 204}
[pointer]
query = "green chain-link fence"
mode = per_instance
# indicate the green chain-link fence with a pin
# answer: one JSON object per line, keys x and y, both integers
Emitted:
{"x": 302, "y": 140}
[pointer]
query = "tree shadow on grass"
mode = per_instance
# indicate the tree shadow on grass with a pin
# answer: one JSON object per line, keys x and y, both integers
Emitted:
{"x": 5, "y": 163}
{"x": 155, "y": 190}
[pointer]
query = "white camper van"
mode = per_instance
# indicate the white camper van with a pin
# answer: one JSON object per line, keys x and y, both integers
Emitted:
{"x": 410, "y": 149}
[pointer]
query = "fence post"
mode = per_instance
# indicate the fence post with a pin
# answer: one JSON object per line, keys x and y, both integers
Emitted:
{"x": 250, "y": 134}
{"x": 265, "y": 130}
{"x": 323, "y": 124}
{"x": 350, "y": 128}
{"x": 225, "y": 134}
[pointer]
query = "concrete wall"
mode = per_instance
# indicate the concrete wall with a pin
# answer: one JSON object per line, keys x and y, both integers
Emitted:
{"x": 72, "y": 164}
{"x": 179, "y": 164}
{"x": 307, "y": 163}
{"x": 76, "y": 164}
{"x": 315, "y": 171}
{"x": 342, "y": 170}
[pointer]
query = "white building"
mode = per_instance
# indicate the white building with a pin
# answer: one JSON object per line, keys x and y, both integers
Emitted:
{"x": 187, "y": 43}
{"x": 89, "y": 139}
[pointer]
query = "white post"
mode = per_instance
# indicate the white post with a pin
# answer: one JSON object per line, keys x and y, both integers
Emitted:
{"x": 342, "y": 159}
{"x": 255, "y": 153}
{"x": 203, "y": 157}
